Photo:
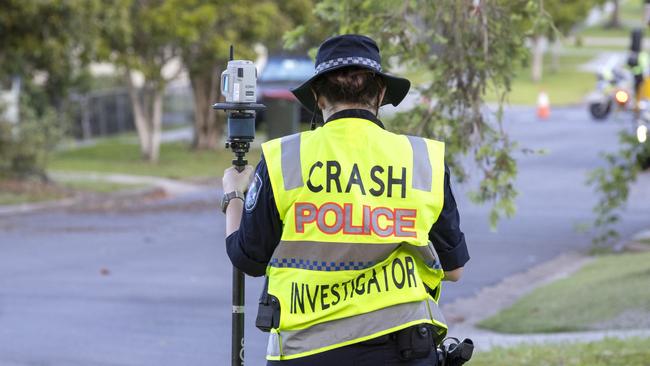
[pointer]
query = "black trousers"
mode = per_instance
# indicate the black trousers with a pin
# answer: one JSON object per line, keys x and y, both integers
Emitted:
{"x": 360, "y": 355}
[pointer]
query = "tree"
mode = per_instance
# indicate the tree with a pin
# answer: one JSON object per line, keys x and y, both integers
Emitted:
{"x": 41, "y": 38}
{"x": 563, "y": 16}
{"x": 205, "y": 29}
{"x": 463, "y": 48}
{"x": 139, "y": 37}
{"x": 615, "y": 18}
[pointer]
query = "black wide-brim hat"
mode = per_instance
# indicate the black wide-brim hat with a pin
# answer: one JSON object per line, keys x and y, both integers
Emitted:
{"x": 351, "y": 50}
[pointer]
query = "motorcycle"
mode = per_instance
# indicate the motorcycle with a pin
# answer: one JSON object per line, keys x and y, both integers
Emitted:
{"x": 613, "y": 90}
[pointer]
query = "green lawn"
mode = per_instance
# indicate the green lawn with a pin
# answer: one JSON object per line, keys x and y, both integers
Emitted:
{"x": 566, "y": 86}
{"x": 117, "y": 155}
{"x": 599, "y": 31}
{"x": 596, "y": 49}
{"x": 631, "y": 14}
{"x": 599, "y": 292}
{"x": 609, "y": 352}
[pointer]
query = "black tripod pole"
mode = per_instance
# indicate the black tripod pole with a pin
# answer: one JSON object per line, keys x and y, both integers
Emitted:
{"x": 238, "y": 298}
{"x": 240, "y": 148}
{"x": 238, "y": 286}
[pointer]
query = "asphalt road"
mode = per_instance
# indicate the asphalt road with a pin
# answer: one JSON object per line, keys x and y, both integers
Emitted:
{"x": 151, "y": 285}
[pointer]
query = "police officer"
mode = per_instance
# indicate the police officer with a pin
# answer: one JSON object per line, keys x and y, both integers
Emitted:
{"x": 354, "y": 226}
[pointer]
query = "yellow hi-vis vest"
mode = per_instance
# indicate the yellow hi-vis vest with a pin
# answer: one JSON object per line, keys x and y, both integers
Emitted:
{"x": 354, "y": 261}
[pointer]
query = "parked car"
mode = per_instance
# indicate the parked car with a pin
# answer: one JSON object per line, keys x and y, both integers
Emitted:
{"x": 281, "y": 73}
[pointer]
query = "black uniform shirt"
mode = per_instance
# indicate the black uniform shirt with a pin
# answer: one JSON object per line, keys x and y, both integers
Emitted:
{"x": 250, "y": 248}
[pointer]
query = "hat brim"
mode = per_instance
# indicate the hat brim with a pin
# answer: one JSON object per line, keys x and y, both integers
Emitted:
{"x": 396, "y": 88}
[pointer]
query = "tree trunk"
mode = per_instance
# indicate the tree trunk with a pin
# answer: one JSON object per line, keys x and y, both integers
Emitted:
{"x": 538, "y": 59}
{"x": 208, "y": 123}
{"x": 156, "y": 123}
{"x": 147, "y": 112}
{"x": 139, "y": 114}
{"x": 555, "y": 56}
{"x": 615, "y": 19}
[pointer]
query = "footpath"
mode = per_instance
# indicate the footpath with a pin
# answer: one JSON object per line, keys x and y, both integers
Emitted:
{"x": 167, "y": 187}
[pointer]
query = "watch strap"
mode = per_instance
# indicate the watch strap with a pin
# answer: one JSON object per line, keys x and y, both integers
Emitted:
{"x": 227, "y": 197}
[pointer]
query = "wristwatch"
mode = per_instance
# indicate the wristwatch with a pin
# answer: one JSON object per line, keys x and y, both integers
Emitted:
{"x": 227, "y": 197}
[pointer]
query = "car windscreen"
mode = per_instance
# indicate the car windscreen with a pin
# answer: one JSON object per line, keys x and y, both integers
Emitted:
{"x": 287, "y": 70}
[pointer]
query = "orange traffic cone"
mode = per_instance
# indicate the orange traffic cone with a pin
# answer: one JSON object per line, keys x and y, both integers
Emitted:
{"x": 543, "y": 105}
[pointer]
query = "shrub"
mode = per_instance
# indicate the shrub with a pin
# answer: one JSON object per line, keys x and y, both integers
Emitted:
{"x": 612, "y": 183}
{"x": 25, "y": 146}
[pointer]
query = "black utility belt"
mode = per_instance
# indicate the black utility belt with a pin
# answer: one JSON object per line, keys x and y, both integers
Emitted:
{"x": 411, "y": 343}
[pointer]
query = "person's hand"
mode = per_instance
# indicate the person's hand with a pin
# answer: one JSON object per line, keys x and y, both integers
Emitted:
{"x": 236, "y": 181}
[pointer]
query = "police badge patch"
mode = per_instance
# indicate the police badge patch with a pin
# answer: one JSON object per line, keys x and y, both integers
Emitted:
{"x": 253, "y": 193}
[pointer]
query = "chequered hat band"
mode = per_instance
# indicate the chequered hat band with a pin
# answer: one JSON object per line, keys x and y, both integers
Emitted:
{"x": 347, "y": 61}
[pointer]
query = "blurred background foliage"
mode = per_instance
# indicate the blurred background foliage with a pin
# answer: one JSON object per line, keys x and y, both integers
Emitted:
{"x": 462, "y": 48}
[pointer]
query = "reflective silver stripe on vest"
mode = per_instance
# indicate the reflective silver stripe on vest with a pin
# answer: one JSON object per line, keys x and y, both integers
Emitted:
{"x": 436, "y": 313}
{"x": 273, "y": 346}
{"x": 326, "y": 256}
{"x": 291, "y": 167}
{"x": 427, "y": 253}
{"x": 422, "y": 171}
{"x": 339, "y": 331}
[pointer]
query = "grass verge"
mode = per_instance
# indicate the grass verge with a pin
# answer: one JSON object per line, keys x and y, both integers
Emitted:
{"x": 177, "y": 160}
{"x": 609, "y": 352}
{"x": 612, "y": 286}
{"x": 99, "y": 186}
{"x": 13, "y": 192}
{"x": 566, "y": 86}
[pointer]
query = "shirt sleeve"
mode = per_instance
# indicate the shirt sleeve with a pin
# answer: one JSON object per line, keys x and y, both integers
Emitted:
{"x": 445, "y": 234}
{"x": 250, "y": 248}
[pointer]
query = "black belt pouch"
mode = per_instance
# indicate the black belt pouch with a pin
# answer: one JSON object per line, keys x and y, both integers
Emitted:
{"x": 415, "y": 342}
{"x": 268, "y": 310}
